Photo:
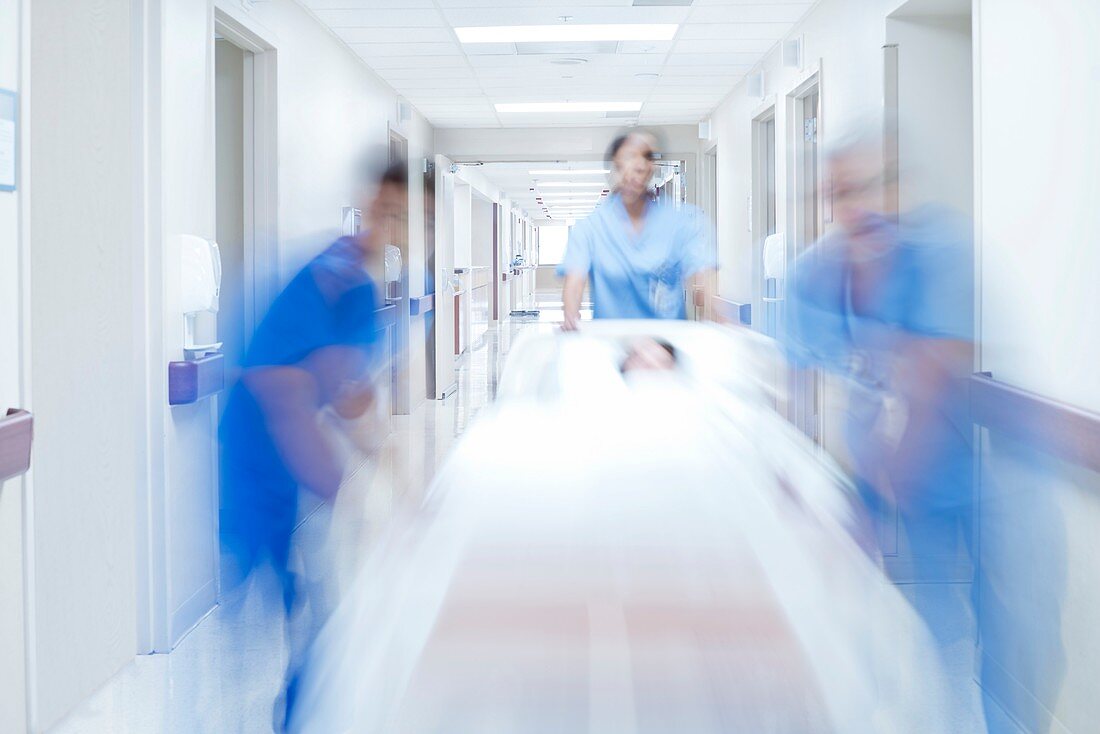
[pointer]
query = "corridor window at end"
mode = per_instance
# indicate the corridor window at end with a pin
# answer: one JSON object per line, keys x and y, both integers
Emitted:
{"x": 552, "y": 241}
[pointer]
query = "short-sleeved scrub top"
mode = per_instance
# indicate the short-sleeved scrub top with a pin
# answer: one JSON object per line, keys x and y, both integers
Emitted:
{"x": 639, "y": 275}
{"x": 926, "y": 291}
{"x": 331, "y": 302}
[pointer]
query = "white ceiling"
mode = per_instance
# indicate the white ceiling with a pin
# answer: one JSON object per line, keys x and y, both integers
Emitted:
{"x": 525, "y": 189}
{"x": 545, "y": 197}
{"x": 413, "y": 46}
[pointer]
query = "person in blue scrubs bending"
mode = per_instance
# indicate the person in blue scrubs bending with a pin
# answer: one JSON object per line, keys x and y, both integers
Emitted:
{"x": 638, "y": 254}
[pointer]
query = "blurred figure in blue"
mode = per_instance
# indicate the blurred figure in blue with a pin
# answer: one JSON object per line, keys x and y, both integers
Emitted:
{"x": 885, "y": 299}
{"x": 311, "y": 353}
{"x": 638, "y": 254}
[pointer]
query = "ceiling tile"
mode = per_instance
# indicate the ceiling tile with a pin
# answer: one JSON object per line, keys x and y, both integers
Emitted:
{"x": 411, "y": 44}
{"x": 384, "y": 18}
{"x": 549, "y": 14}
{"x": 783, "y": 13}
{"x": 716, "y": 45}
{"x": 366, "y": 4}
{"x": 416, "y": 62}
{"x": 708, "y": 60}
{"x": 442, "y": 73}
{"x": 751, "y": 37}
{"x": 524, "y": 3}
{"x": 375, "y": 50}
{"x": 396, "y": 35}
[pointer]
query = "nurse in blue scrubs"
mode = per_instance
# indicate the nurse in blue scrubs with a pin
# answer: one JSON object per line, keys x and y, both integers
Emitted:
{"x": 311, "y": 354}
{"x": 637, "y": 254}
{"x": 886, "y": 300}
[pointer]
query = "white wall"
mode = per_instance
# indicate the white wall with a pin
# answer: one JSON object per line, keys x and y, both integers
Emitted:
{"x": 83, "y": 304}
{"x": 1036, "y": 219}
{"x": 332, "y": 111}
{"x": 844, "y": 38}
{"x": 481, "y": 231}
{"x": 1038, "y": 222}
{"x": 125, "y": 513}
{"x": 12, "y": 651}
{"x": 187, "y": 206}
{"x": 935, "y": 110}
{"x": 1038, "y": 197}
{"x": 463, "y": 226}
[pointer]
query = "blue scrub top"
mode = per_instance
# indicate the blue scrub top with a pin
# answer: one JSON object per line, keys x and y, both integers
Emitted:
{"x": 330, "y": 302}
{"x": 638, "y": 275}
{"x": 926, "y": 291}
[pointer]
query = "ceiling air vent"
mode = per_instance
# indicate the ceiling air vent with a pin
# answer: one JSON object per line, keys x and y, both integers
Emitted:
{"x": 621, "y": 114}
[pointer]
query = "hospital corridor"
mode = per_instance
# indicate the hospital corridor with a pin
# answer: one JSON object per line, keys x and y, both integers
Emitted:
{"x": 536, "y": 367}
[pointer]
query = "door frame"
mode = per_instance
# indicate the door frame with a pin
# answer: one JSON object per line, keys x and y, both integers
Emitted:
{"x": 758, "y": 216}
{"x": 796, "y": 99}
{"x": 261, "y": 155}
{"x": 445, "y": 374}
{"x": 399, "y": 367}
{"x": 155, "y": 633}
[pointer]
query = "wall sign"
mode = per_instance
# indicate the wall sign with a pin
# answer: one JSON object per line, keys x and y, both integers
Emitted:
{"x": 8, "y": 140}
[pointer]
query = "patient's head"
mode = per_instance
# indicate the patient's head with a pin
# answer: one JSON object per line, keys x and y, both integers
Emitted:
{"x": 649, "y": 355}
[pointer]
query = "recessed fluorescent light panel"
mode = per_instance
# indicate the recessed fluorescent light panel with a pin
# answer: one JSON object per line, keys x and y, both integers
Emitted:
{"x": 568, "y": 106}
{"x": 572, "y": 184}
{"x": 567, "y": 33}
{"x": 567, "y": 172}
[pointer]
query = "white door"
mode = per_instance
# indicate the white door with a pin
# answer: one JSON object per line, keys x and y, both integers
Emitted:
{"x": 804, "y": 408}
{"x": 444, "y": 278}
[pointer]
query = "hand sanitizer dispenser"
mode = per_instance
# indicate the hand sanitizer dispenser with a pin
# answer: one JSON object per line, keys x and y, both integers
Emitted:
{"x": 392, "y": 260}
{"x": 201, "y": 274}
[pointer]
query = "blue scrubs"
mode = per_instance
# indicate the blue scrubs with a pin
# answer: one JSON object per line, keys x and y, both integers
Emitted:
{"x": 924, "y": 290}
{"x": 638, "y": 275}
{"x": 331, "y": 302}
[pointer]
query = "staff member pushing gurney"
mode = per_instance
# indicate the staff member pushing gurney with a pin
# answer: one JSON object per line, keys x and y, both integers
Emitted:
{"x": 637, "y": 253}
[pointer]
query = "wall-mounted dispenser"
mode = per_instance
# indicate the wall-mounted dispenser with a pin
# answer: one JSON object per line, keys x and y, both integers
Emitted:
{"x": 201, "y": 277}
{"x": 775, "y": 256}
{"x": 201, "y": 374}
{"x": 392, "y": 272}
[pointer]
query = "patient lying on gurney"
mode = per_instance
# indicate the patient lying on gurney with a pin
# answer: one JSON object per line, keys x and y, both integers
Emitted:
{"x": 671, "y": 558}
{"x": 649, "y": 354}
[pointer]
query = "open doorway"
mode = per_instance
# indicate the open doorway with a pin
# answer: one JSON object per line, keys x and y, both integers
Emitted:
{"x": 767, "y": 281}
{"x": 708, "y": 202}
{"x": 804, "y": 408}
{"x": 397, "y": 288}
{"x": 235, "y": 322}
{"x": 929, "y": 142}
{"x": 245, "y": 184}
{"x": 431, "y": 286}
{"x": 246, "y": 196}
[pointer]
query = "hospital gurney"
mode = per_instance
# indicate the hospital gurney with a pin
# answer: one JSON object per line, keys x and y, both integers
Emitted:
{"x": 609, "y": 552}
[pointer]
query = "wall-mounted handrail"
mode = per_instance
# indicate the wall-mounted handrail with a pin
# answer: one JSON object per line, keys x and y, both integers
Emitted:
{"x": 733, "y": 310}
{"x": 419, "y": 305}
{"x": 16, "y": 437}
{"x": 385, "y": 317}
{"x": 1062, "y": 430}
{"x": 192, "y": 380}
